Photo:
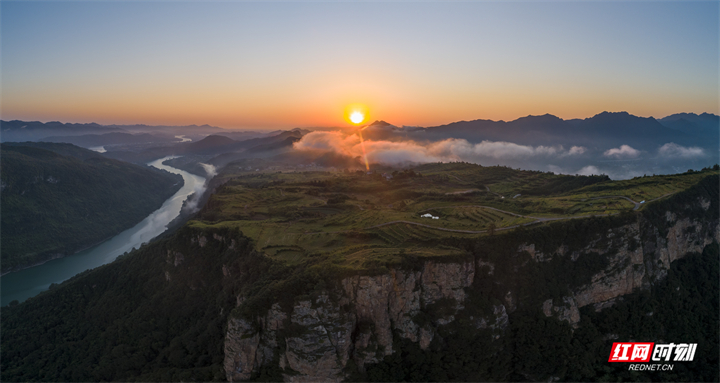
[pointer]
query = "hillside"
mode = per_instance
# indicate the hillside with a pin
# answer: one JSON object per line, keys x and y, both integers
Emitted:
{"x": 603, "y": 130}
{"x": 90, "y": 140}
{"x": 223, "y": 299}
{"x": 56, "y": 204}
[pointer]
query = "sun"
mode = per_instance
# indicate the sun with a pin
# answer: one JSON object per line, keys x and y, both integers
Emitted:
{"x": 356, "y": 114}
{"x": 357, "y": 117}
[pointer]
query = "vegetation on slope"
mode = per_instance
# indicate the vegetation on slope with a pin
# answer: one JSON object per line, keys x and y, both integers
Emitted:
{"x": 354, "y": 217}
{"x": 155, "y": 316}
{"x": 56, "y": 204}
{"x": 125, "y": 321}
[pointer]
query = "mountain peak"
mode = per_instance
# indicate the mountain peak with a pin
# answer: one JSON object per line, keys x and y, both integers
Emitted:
{"x": 380, "y": 124}
{"x": 611, "y": 114}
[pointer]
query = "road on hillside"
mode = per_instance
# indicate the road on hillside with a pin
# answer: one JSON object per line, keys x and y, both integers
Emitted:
{"x": 536, "y": 219}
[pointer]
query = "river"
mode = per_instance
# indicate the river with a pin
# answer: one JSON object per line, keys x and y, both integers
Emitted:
{"x": 27, "y": 283}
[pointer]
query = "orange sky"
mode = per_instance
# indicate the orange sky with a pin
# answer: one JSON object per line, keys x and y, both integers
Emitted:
{"x": 270, "y": 66}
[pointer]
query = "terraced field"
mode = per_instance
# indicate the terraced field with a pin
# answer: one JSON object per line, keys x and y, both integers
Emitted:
{"x": 356, "y": 218}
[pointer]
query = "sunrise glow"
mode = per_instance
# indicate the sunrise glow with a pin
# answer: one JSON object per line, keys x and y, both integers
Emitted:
{"x": 357, "y": 117}
{"x": 76, "y": 62}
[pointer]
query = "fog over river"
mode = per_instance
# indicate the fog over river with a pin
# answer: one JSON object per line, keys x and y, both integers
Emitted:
{"x": 27, "y": 283}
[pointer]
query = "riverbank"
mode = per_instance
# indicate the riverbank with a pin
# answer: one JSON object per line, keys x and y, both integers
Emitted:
{"x": 28, "y": 282}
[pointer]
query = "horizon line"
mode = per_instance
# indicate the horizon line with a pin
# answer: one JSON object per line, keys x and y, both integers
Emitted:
{"x": 340, "y": 127}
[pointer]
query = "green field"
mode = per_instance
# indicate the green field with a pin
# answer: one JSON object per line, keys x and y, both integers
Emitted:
{"x": 355, "y": 219}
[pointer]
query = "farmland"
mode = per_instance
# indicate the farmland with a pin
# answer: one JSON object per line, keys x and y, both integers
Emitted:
{"x": 357, "y": 218}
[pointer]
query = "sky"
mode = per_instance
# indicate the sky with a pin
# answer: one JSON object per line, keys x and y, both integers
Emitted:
{"x": 269, "y": 65}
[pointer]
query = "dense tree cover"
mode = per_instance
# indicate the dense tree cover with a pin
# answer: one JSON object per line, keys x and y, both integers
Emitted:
{"x": 154, "y": 316}
{"x": 125, "y": 321}
{"x": 682, "y": 308}
{"x": 60, "y": 203}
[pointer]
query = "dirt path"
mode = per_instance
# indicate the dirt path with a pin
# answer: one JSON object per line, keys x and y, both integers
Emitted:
{"x": 484, "y": 207}
{"x": 637, "y": 204}
{"x": 463, "y": 192}
{"x": 536, "y": 219}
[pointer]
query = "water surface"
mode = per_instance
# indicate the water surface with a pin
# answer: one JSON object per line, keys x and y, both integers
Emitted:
{"x": 27, "y": 283}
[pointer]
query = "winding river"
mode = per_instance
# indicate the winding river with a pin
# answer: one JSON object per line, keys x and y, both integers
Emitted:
{"x": 27, "y": 283}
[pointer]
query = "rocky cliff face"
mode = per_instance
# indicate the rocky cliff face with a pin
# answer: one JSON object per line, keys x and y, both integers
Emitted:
{"x": 355, "y": 322}
{"x": 352, "y": 324}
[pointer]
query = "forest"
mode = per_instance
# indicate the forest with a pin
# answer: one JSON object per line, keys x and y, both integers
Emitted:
{"x": 58, "y": 199}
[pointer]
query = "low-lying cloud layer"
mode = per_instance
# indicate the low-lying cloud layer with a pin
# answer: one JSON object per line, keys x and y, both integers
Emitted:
{"x": 619, "y": 162}
{"x": 672, "y": 149}
{"x": 393, "y": 152}
{"x": 209, "y": 169}
{"x": 624, "y": 151}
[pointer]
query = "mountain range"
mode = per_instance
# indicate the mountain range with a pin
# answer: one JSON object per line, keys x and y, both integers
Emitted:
{"x": 604, "y": 130}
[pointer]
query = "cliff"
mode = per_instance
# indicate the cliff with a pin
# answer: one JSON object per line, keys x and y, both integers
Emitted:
{"x": 342, "y": 327}
{"x": 202, "y": 304}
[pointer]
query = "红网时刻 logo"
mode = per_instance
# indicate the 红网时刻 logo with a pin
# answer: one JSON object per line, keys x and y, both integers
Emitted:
{"x": 639, "y": 352}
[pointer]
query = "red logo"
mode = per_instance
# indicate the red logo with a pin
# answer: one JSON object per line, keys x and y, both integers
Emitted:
{"x": 630, "y": 352}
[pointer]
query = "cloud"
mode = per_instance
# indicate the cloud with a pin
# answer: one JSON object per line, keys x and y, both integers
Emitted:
{"x": 394, "y": 152}
{"x": 328, "y": 141}
{"x": 624, "y": 151}
{"x": 590, "y": 170}
{"x": 193, "y": 200}
{"x": 577, "y": 150}
{"x": 209, "y": 169}
{"x": 672, "y": 149}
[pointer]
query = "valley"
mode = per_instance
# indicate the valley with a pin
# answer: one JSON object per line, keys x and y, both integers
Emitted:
{"x": 283, "y": 277}
{"x": 58, "y": 199}
{"x": 359, "y": 191}
{"x": 28, "y": 282}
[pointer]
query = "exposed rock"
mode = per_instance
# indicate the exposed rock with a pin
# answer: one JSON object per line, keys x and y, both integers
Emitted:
{"x": 633, "y": 269}
{"x": 270, "y": 324}
{"x": 404, "y": 302}
{"x": 179, "y": 258}
{"x": 670, "y": 216}
{"x": 501, "y": 318}
{"x": 567, "y": 312}
{"x": 481, "y": 263}
{"x": 529, "y": 248}
{"x": 683, "y": 238}
{"x": 499, "y": 322}
{"x": 321, "y": 351}
{"x": 704, "y": 203}
{"x": 175, "y": 258}
{"x": 322, "y": 335}
{"x": 445, "y": 320}
{"x": 241, "y": 343}
{"x": 547, "y": 307}
{"x": 426, "y": 336}
{"x": 202, "y": 241}
{"x": 603, "y": 305}
{"x": 371, "y": 296}
{"x": 446, "y": 280}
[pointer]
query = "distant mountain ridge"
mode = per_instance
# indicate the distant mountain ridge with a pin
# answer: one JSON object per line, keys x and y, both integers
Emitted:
{"x": 703, "y": 125}
{"x": 604, "y": 130}
{"x": 17, "y": 130}
{"x": 115, "y": 138}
